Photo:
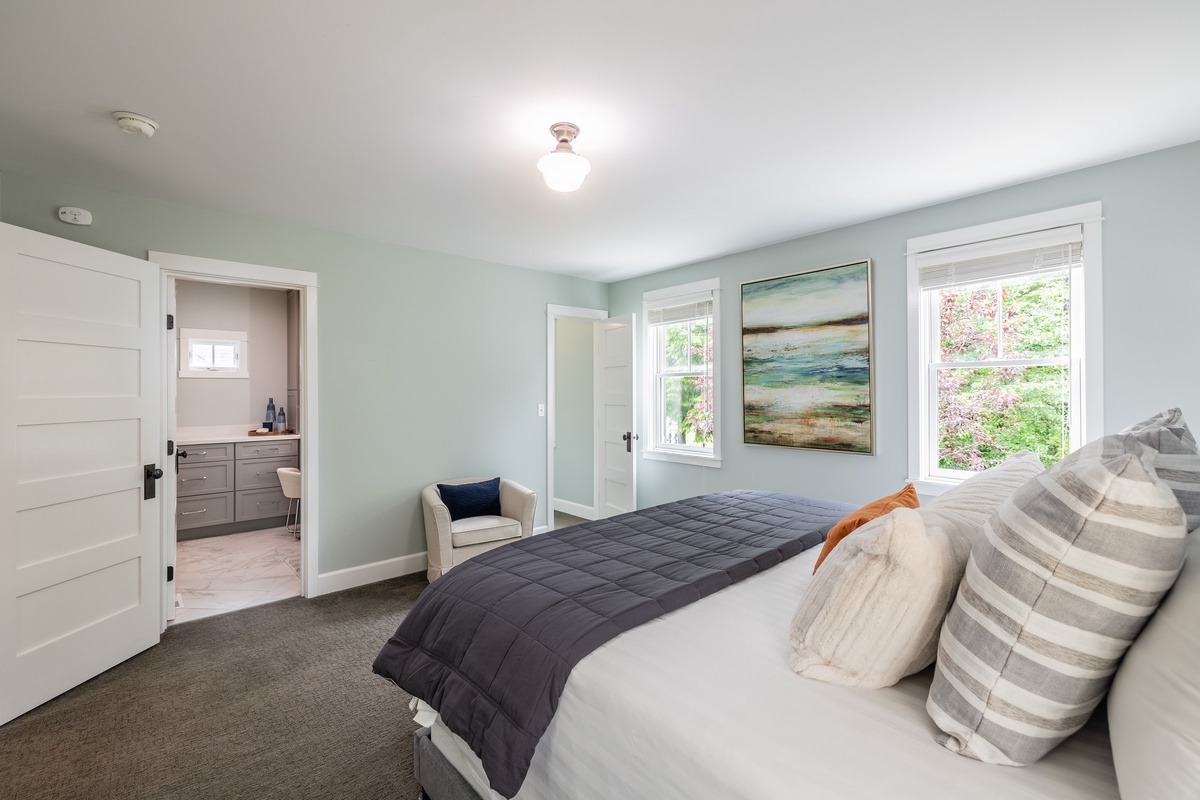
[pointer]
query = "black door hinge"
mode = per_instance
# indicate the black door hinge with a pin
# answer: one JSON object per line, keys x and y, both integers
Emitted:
{"x": 170, "y": 574}
{"x": 170, "y": 447}
{"x": 170, "y": 322}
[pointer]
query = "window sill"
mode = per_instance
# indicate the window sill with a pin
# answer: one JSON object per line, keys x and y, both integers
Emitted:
{"x": 682, "y": 458}
{"x": 933, "y": 486}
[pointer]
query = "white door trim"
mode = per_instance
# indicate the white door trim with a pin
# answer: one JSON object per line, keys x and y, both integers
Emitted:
{"x": 553, "y": 313}
{"x": 211, "y": 270}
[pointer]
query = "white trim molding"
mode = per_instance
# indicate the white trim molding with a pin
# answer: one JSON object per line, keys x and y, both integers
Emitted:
{"x": 352, "y": 577}
{"x": 575, "y": 509}
{"x": 212, "y": 270}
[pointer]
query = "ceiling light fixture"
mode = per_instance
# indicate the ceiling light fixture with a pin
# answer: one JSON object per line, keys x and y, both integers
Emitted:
{"x": 563, "y": 168}
{"x": 135, "y": 124}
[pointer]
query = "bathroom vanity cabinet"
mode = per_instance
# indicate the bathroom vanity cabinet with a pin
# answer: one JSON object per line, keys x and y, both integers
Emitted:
{"x": 232, "y": 484}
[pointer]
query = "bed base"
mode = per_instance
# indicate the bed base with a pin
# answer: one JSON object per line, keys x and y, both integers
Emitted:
{"x": 438, "y": 778}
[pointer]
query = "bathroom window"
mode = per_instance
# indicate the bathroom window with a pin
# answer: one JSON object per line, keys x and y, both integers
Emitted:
{"x": 213, "y": 354}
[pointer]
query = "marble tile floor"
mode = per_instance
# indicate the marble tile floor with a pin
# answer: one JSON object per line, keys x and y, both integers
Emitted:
{"x": 226, "y": 573}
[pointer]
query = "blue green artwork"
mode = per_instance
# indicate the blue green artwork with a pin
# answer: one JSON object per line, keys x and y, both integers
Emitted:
{"x": 806, "y": 360}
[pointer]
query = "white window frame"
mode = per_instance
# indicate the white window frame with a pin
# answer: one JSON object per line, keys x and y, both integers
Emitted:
{"x": 1086, "y": 347}
{"x": 189, "y": 335}
{"x": 663, "y": 298}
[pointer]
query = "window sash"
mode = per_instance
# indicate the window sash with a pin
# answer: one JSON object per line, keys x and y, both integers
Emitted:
{"x": 931, "y": 323}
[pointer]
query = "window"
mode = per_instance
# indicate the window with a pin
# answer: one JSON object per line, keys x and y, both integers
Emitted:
{"x": 683, "y": 384}
{"x": 1004, "y": 343}
{"x": 213, "y": 354}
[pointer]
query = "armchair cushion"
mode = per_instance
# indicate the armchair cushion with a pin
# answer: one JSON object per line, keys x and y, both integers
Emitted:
{"x": 475, "y": 530}
{"x": 471, "y": 499}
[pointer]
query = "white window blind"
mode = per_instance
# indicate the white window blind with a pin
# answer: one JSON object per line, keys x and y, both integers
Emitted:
{"x": 1041, "y": 251}
{"x": 686, "y": 311}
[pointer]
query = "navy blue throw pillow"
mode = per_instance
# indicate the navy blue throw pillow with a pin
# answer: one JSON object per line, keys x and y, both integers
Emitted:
{"x": 471, "y": 499}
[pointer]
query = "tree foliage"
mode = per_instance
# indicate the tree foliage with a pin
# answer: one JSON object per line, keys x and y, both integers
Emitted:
{"x": 687, "y": 401}
{"x": 986, "y": 413}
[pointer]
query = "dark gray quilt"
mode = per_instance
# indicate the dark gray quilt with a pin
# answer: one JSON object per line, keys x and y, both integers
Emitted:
{"x": 491, "y": 643}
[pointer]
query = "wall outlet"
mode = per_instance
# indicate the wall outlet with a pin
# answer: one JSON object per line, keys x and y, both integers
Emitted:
{"x": 75, "y": 216}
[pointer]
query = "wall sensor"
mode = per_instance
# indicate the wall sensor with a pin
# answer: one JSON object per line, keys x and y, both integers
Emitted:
{"x": 75, "y": 216}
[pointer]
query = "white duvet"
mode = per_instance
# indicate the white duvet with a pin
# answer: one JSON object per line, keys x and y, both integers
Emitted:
{"x": 702, "y": 703}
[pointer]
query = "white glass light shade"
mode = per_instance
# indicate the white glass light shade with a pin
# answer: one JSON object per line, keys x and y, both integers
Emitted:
{"x": 564, "y": 169}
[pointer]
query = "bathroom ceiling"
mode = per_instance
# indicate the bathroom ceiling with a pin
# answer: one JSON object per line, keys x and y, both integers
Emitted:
{"x": 712, "y": 127}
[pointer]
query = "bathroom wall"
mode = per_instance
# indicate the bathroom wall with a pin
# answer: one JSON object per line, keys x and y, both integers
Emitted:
{"x": 262, "y": 314}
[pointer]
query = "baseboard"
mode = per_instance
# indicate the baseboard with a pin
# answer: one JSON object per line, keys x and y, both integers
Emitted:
{"x": 351, "y": 577}
{"x": 574, "y": 509}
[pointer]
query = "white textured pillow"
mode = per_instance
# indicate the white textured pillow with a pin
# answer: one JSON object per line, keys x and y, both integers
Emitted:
{"x": 1066, "y": 574}
{"x": 1154, "y": 704}
{"x": 873, "y": 611}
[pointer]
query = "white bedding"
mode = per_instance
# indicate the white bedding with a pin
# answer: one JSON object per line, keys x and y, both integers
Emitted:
{"x": 701, "y": 703}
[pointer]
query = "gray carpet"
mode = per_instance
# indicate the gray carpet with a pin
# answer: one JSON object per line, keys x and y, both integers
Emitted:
{"x": 276, "y": 701}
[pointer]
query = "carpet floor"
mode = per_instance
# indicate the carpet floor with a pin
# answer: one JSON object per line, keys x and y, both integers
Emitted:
{"x": 271, "y": 702}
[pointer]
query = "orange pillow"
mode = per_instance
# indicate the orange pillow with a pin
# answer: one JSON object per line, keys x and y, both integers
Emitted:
{"x": 905, "y": 498}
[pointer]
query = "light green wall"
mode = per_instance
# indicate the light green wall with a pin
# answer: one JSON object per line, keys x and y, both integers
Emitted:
{"x": 431, "y": 366}
{"x": 1151, "y": 326}
{"x": 574, "y": 410}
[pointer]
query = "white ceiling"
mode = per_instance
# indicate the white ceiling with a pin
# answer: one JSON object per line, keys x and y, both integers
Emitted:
{"x": 712, "y": 127}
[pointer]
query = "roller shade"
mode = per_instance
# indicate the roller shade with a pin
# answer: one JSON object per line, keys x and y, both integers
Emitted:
{"x": 1042, "y": 251}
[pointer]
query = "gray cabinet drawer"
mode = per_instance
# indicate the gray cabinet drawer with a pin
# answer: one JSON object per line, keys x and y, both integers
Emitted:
{"x": 261, "y": 503}
{"x": 197, "y": 478}
{"x": 260, "y": 473}
{"x": 267, "y": 449}
{"x": 222, "y": 451}
{"x": 210, "y": 509}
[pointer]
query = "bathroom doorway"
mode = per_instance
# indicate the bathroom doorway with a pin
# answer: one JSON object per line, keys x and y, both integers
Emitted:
{"x": 225, "y": 541}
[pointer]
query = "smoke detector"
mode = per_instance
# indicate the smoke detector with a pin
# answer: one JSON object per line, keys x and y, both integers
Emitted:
{"x": 135, "y": 124}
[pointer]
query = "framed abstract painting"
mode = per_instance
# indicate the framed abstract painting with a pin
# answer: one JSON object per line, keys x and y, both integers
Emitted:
{"x": 807, "y": 370}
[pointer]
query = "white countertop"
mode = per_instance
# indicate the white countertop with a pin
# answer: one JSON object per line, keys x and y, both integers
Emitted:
{"x": 225, "y": 433}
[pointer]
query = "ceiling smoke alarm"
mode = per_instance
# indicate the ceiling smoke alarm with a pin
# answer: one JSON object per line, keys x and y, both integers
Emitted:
{"x": 135, "y": 124}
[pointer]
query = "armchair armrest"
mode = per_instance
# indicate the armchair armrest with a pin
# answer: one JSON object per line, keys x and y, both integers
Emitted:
{"x": 519, "y": 503}
{"x": 437, "y": 532}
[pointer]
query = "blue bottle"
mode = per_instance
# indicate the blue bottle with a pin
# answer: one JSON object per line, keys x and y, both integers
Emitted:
{"x": 269, "y": 420}
{"x": 281, "y": 421}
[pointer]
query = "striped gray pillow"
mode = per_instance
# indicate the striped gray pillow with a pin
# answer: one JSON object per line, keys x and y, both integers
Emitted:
{"x": 1066, "y": 574}
{"x": 1176, "y": 458}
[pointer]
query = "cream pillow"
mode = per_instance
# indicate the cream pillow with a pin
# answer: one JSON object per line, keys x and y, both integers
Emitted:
{"x": 872, "y": 612}
{"x": 1154, "y": 705}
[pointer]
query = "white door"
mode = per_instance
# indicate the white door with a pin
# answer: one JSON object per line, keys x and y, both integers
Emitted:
{"x": 616, "y": 450}
{"x": 80, "y": 588}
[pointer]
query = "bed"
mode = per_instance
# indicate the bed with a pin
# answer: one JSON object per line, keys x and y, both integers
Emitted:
{"x": 702, "y": 702}
{"x": 660, "y": 713}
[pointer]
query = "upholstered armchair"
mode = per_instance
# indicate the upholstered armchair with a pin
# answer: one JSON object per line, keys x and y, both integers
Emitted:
{"x": 453, "y": 541}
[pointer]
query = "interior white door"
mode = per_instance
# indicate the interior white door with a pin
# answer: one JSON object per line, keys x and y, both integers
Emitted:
{"x": 616, "y": 435}
{"x": 80, "y": 587}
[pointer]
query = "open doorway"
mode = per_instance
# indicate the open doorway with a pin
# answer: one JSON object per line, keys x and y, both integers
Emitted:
{"x": 571, "y": 427}
{"x": 234, "y": 533}
{"x": 238, "y": 363}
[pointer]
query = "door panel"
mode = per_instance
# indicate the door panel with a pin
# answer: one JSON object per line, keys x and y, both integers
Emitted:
{"x": 617, "y": 458}
{"x": 79, "y": 546}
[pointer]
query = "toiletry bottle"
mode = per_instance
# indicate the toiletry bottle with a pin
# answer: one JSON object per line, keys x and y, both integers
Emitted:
{"x": 281, "y": 421}
{"x": 269, "y": 420}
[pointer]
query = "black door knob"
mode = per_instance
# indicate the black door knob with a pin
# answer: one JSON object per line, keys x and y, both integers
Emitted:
{"x": 156, "y": 474}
